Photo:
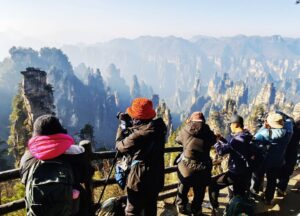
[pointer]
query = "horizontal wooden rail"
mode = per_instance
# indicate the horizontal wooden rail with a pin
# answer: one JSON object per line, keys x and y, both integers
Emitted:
{"x": 9, "y": 175}
{"x": 111, "y": 154}
{"x": 101, "y": 182}
{"x": 20, "y": 204}
{"x": 168, "y": 194}
{"x": 170, "y": 187}
{"x": 12, "y": 206}
{"x": 15, "y": 173}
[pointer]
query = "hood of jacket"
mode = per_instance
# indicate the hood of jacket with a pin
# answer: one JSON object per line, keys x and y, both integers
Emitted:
{"x": 154, "y": 126}
{"x": 49, "y": 146}
{"x": 197, "y": 129}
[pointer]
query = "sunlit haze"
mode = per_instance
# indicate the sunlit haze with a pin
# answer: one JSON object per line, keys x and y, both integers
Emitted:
{"x": 54, "y": 23}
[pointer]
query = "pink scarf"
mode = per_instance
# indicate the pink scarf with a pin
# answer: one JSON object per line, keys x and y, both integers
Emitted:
{"x": 49, "y": 146}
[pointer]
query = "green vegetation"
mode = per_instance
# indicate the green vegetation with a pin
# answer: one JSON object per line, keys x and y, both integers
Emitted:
{"x": 20, "y": 128}
{"x": 3, "y": 155}
{"x": 11, "y": 191}
{"x": 216, "y": 122}
{"x": 256, "y": 115}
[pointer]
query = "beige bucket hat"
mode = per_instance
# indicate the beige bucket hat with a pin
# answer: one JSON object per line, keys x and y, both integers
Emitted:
{"x": 275, "y": 120}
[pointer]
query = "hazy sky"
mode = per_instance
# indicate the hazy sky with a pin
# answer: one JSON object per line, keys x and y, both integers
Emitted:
{"x": 57, "y": 22}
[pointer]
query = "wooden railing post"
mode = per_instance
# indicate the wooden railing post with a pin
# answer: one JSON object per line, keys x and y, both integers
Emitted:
{"x": 88, "y": 183}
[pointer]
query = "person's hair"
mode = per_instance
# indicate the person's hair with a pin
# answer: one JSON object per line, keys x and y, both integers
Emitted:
{"x": 47, "y": 125}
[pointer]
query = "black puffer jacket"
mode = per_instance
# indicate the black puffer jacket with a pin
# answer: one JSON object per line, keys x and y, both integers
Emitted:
{"x": 82, "y": 172}
{"x": 292, "y": 149}
{"x": 196, "y": 139}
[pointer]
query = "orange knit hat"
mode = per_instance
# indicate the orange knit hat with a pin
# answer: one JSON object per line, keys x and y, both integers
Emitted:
{"x": 141, "y": 108}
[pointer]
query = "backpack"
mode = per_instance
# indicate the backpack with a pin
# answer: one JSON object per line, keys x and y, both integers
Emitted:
{"x": 258, "y": 155}
{"x": 49, "y": 189}
{"x": 239, "y": 205}
{"x": 122, "y": 170}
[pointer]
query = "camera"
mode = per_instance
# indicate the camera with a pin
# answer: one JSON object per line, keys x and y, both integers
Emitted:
{"x": 125, "y": 120}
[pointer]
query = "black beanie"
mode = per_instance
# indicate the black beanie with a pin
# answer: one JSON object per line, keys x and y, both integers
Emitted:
{"x": 47, "y": 125}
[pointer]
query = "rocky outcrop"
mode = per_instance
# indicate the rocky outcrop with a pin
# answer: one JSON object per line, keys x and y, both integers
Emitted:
{"x": 266, "y": 96}
{"x": 163, "y": 112}
{"x": 92, "y": 103}
{"x": 296, "y": 111}
{"x": 238, "y": 92}
{"x": 37, "y": 93}
{"x": 280, "y": 99}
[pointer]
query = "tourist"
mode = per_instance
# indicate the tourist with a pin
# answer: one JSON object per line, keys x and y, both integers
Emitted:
{"x": 195, "y": 164}
{"x": 275, "y": 135}
{"x": 239, "y": 172}
{"x": 144, "y": 143}
{"x": 52, "y": 169}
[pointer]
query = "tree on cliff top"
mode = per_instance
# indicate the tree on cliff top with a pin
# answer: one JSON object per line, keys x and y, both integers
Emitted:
{"x": 20, "y": 130}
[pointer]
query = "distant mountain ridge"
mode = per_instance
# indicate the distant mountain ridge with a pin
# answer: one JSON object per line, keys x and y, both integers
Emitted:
{"x": 90, "y": 100}
{"x": 203, "y": 73}
{"x": 171, "y": 65}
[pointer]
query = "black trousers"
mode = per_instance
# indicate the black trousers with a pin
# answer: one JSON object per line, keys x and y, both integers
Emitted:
{"x": 198, "y": 181}
{"x": 272, "y": 175}
{"x": 286, "y": 171}
{"x": 138, "y": 202}
{"x": 239, "y": 182}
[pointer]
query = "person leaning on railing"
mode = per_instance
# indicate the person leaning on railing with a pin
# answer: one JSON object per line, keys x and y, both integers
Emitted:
{"x": 52, "y": 169}
{"x": 144, "y": 143}
{"x": 239, "y": 173}
{"x": 194, "y": 164}
{"x": 275, "y": 135}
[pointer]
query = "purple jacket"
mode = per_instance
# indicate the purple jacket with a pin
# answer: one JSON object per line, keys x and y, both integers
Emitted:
{"x": 238, "y": 148}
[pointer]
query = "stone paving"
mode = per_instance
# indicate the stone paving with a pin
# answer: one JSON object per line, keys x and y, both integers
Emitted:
{"x": 287, "y": 206}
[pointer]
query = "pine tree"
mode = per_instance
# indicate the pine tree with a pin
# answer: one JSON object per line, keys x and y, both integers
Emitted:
{"x": 20, "y": 128}
{"x": 3, "y": 155}
{"x": 256, "y": 118}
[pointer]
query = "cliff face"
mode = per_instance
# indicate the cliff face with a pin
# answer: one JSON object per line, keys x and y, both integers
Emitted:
{"x": 164, "y": 112}
{"x": 296, "y": 111}
{"x": 238, "y": 92}
{"x": 91, "y": 103}
{"x": 266, "y": 96}
{"x": 170, "y": 63}
{"x": 77, "y": 102}
{"x": 37, "y": 94}
{"x": 226, "y": 95}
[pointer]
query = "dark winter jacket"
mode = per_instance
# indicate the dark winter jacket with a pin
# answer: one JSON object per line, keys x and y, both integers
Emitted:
{"x": 292, "y": 151}
{"x": 276, "y": 141}
{"x": 81, "y": 168}
{"x": 145, "y": 144}
{"x": 238, "y": 148}
{"x": 196, "y": 139}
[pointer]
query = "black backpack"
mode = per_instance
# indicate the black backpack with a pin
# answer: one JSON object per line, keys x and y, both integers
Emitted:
{"x": 239, "y": 206}
{"x": 258, "y": 155}
{"x": 49, "y": 189}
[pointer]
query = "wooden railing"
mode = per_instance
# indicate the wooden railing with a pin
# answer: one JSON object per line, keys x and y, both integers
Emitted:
{"x": 168, "y": 190}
